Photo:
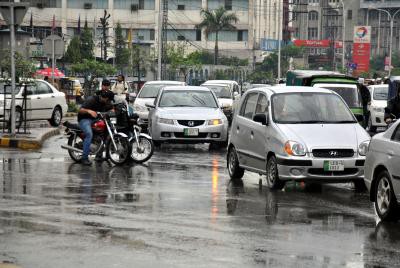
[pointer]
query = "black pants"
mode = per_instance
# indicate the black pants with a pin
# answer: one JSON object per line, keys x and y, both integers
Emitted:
{"x": 366, "y": 115}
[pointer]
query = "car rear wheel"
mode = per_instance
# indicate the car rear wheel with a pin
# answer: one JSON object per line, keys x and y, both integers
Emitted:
{"x": 385, "y": 201}
{"x": 56, "y": 117}
{"x": 234, "y": 170}
{"x": 272, "y": 175}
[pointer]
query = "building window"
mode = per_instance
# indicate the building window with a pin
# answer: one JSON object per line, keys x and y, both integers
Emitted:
{"x": 43, "y": 3}
{"x": 312, "y": 33}
{"x": 228, "y": 4}
{"x": 349, "y": 14}
{"x": 141, "y": 4}
{"x": 152, "y": 34}
{"x": 132, "y": 4}
{"x": 240, "y": 35}
{"x": 88, "y": 4}
{"x": 198, "y": 35}
{"x": 313, "y": 15}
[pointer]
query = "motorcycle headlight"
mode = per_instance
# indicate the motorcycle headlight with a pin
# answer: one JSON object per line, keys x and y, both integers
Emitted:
{"x": 166, "y": 121}
{"x": 378, "y": 110}
{"x": 214, "y": 122}
{"x": 294, "y": 148}
{"x": 140, "y": 108}
{"x": 363, "y": 148}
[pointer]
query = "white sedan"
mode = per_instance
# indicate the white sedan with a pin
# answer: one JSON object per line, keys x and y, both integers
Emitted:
{"x": 43, "y": 102}
{"x": 379, "y": 98}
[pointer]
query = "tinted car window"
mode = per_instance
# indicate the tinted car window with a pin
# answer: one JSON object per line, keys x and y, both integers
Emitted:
{"x": 42, "y": 88}
{"x": 381, "y": 93}
{"x": 396, "y": 134}
{"x": 249, "y": 106}
{"x": 262, "y": 104}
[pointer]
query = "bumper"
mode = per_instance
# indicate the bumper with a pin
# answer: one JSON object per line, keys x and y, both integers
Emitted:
{"x": 175, "y": 134}
{"x": 313, "y": 169}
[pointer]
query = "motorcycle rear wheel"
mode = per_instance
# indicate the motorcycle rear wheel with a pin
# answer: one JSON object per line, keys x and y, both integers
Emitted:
{"x": 73, "y": 141}
{"x": 143, "y": 152}
{"x": 119, "y": 155}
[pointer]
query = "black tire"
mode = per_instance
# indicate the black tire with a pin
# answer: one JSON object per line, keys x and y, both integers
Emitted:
{"x": 385, "y": 200}
{"x": 359, "y": 186}
{"x": 234, "y": 170}
{"x": 56, "y": 117}
{"x": 122, "y": 152}
{"x": 140, "y": 157}
{"x": 371, "y": 128}
{"x": 73, "y": 141}
{"x": 156, "y": 144}
{"x": 273, "y": 180}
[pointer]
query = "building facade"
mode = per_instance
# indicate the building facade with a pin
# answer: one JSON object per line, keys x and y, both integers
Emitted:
{"x": 257, "y": 19}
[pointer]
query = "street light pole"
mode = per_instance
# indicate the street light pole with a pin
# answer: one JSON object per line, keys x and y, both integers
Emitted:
{"x": 344, "y": 36}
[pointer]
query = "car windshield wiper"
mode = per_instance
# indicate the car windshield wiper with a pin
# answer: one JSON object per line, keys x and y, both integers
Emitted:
{"x": 180, "y": 105}
{"x": 343, "y": 122}
{"x": 312, "y": 122}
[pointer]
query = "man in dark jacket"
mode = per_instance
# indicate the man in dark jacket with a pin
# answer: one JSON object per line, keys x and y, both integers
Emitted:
{"x": 392, "y": 111}
{"x": 366, "y": 100}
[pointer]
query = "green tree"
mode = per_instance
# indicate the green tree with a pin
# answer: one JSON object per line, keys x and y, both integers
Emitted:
{"x": 216, "y": 21}
{"x": 98, "y": 69}
{"x": 141, "y": 59}
{"x": 87, "y": 43}
{"x": 104, "y": 28}
{"x": 179, "y": 61}
{"x": 73, "y": 54}
{"x": 121, "y": 51}
{"x": 24, "y": 68}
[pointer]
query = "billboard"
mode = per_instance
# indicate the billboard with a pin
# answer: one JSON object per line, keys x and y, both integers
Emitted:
{"x": 361, "y": 49}
{"x": 311, "y": 43}
{"x": 362, "y": 34}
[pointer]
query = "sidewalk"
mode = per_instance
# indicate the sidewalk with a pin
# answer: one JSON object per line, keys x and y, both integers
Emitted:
{"x": 32, "y": 141}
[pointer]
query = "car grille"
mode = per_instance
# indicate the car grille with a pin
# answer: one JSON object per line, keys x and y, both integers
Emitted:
{"x": 181, "y": 135}
{"x": 191, "y": 123}
{"x": 333, "y": 153}
{"x": 322, "y": 172}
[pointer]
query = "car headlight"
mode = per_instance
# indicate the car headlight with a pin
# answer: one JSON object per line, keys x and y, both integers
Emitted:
{"x": 363, "y": 148}
{"x": 378, "y": 110}
{"x": 140, "y": 108}
{"x": 294, "y": 148}
{"x": 214, "y": 122}
{"x": 166, "y": 121}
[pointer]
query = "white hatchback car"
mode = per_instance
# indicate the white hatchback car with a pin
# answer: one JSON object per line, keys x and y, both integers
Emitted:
{"x": 43, "y": 102}
{"x": 379, "y": 98}
{"x": 297, "y": 133}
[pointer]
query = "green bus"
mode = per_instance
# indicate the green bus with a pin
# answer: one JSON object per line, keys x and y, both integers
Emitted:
{"x": 346, "y": 86}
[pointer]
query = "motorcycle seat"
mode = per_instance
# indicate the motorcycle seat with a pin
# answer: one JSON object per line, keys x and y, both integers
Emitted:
{"x": 69, "y": 125}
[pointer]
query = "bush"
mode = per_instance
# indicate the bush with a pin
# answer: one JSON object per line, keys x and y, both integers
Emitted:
{"x": 73, "y": 107}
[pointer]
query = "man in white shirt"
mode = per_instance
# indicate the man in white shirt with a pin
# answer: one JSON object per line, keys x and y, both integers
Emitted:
{"x": 120, "y": 89}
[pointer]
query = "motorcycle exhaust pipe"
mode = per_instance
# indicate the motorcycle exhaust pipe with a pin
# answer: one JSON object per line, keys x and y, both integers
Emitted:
{"x": 67, "y": 147}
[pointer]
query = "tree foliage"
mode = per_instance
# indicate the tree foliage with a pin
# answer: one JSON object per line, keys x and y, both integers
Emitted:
{"x": 73, "y": 53}
{"x": 179, "y": 61}
{"x": 121, "y": 51}
{"x": 98, "y": 69}
{"x": 215, "y": 21}
{"x": 87, "y": 43}
{"x": 24, "y": 68}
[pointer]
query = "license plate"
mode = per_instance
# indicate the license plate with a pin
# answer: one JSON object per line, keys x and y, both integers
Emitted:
{"x": 334, "y": 165}
{"x": 191, "y": 132}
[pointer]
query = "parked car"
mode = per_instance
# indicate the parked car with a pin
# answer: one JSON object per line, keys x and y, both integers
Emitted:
{"x": 148, "y": 94}
{"x": 382, "y": 172}
{"x": 379, "y": 98}
{"x": 43, "y": 102}
{"x": 225, "y": 97}
{"x": 187, "y": 115}
{"x": 297, "y": 133}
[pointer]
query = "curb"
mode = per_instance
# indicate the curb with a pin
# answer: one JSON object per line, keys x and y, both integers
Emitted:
{"x": 71, "y": 114}
{"x": 28, "y": 143}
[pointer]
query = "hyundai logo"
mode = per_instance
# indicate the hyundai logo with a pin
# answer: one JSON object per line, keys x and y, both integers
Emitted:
{"x": 333, "y": 153}
{"x": 191, "y": 123}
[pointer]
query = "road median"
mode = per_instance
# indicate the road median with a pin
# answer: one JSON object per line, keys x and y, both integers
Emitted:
{"x": 32, "y": 141}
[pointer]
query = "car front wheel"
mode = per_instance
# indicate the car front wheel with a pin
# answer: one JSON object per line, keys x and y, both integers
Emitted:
{"x": 272, "y": 175}
{"x": 235, "y": 171}
{"x": 385, "y": 201}
{"x": 56, "y": 117}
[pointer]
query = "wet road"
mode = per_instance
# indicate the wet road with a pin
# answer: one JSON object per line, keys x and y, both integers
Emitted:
{"x": 178, "y": 210}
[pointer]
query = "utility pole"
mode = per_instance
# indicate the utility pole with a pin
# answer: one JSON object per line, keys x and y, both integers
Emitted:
{"x": 164, "y": 40}
{"x": 104, "y": 26}
{"x": 279, "y": 40}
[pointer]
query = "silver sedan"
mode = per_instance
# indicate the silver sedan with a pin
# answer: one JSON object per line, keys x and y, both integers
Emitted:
{"x": 186, "y": 114}
{"x": 382, "y": 172}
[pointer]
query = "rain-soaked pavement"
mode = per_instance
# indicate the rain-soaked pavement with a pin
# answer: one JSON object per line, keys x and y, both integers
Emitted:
{"x": 178, "y": 210}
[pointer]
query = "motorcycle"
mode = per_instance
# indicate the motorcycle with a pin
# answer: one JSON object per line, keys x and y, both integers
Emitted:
{"x": 128, "y": 122}
{"x": 105, "y": 135}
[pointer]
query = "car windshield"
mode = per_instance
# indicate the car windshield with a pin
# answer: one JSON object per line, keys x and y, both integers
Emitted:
{"x": 6, "y": 88}
{"x": 381, "y": 93}
{"x": 220, "y": 91}
{"x": 151, "y": 90}
{"x": 192, "y": 98}
{"x": 350, "y": 94}
{"x": 309, "y": 108}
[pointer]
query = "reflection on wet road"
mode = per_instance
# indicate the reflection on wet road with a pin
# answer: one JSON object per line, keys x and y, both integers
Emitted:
{"x": 178, "y": 210}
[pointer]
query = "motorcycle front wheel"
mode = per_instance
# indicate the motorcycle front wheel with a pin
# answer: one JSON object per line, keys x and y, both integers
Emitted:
{"x": 142, "y": 150}
{"x": 120, "y": 154}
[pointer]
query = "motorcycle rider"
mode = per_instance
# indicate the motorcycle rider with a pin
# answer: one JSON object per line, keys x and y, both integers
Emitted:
{"x": 86, "y": 115}
{"x": 392, "y": 111}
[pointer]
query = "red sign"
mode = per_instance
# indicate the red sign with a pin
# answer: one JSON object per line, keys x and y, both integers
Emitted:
{"x": 338, "y": 44}
{"x": 311, "y": 43}
{"x": 361, "y": 54}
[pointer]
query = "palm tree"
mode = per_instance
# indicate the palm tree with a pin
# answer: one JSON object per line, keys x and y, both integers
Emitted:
{"x": 216, "y": 21}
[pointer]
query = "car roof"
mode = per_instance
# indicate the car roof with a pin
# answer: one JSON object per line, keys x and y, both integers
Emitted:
{"x": 289, "y": 89}
{"x": 220, "y": 82}
{"x": 380, "y": 85}
{"x": 214, "y": 84}
{"x": 166, "y": 82}
{"x": 185, "y": 88}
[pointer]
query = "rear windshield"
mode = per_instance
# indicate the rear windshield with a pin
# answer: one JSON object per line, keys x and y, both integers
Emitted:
{"x": 151, "y": 90}
{"x": 381, "y": 93}
{"x": 220, "y": 91}
{"x": 350, "y": 94}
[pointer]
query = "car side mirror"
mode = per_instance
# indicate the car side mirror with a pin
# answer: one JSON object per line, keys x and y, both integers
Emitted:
{"x": 359, "y": 117}
{"x": 260, "y": 118}
{"x": 150, "y": 105}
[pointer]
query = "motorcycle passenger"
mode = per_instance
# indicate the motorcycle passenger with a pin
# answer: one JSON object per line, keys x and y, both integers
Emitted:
{"x": 392, "y": 111}
{"x": 86, "y": 115}
{"x": 120, "y": 89}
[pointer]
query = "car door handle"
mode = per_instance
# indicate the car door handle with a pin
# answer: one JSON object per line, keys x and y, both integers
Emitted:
{"x": 53, "y": 96}
{"x": 390, "y": 153}
{"x": 38, "y": 98}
